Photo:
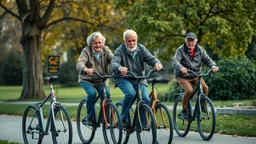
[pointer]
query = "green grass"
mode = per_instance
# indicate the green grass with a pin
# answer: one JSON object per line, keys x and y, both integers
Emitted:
{"x": 7, "y": 142}
{"x": 226, "y": 124}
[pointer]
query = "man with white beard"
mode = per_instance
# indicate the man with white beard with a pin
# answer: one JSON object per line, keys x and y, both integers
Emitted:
{"x": 131, "y": 56}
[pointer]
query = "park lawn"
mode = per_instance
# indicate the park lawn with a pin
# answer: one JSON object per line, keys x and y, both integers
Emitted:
{"x": 64, "y": 93}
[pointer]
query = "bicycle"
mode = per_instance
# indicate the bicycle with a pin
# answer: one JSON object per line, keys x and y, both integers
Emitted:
{"x": 206, "y": 119}
{"x": 145, "y": 131}
{"x": 162, "y": 116}
{"x": 108, "y": 115}
{"x": 58, "y": 121}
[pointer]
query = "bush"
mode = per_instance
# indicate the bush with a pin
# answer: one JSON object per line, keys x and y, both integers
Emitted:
{"x": 12, "y": 69}
{"x": 68, "y": 74}
{"x": 235, "y": 81}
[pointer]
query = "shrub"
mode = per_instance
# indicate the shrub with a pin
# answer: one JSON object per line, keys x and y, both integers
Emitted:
{"x": 235, "y": 81}
{"x": 68, "y": 74}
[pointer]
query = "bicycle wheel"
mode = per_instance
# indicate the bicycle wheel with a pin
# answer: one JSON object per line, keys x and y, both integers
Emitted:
{"x": 164, "y": 124}
{"x": 62, "y": 131}
{"x": 112, "y": 130}
{"x": 126, "y": 131}
{"x": 207, "y": 120}
{"x": 32, "y": 130}
{"x": 145, "y": 125}
{"x": 181, "y": 126}
{"x": 86, "y": 132}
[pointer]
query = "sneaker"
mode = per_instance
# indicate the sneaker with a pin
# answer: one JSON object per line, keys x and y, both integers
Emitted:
{"x": 87, "y": 121}
{"x": 204, "y": 108}
{"x": 183, "y": 114}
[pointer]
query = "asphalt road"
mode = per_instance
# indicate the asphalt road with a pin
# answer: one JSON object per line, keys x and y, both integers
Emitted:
{"x": 11, "y": 130}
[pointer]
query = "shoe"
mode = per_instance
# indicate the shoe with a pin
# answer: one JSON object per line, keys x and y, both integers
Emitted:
{"x": 183, "y": 114}
{"x": 87, "y": 121}
{"x": 124, "y": 123}
{"x": 204, "y": 108}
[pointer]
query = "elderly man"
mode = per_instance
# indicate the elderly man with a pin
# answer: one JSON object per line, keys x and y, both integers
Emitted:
{"x": 131, "y": 56}
{"x": 190, "y": 56}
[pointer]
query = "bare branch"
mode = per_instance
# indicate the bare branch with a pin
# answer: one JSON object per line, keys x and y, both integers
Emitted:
{"x": 47, "y": 14}
{"x": 9, "y": 11}
{"x": 78, "y": 20}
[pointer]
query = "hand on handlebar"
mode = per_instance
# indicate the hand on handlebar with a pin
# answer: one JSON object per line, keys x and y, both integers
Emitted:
{"x": 184, "y": 71}
{"x": 89, "y": 71}
{"x": 123, "y": 70}
{"x": 215, "y": 69}
{"x": 158, "y": 66}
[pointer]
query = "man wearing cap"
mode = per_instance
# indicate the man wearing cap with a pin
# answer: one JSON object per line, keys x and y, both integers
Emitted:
{"x": 191, "y": 56}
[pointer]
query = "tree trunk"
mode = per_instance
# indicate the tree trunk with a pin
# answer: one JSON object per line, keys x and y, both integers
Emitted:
{"x": 33, "y": 82}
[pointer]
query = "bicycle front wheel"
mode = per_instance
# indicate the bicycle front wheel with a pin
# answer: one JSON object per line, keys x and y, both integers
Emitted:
{"x": 62, "y": 132}
{"x": 206, "y": 121}
{"x": 145, "y": 125}
{"x": 181, "y": 126}
{"x": 111, "y": 127}
{"x": 164, "y": 124}
{"x": 32, "y": 130}
{"x": 85, "y": 132}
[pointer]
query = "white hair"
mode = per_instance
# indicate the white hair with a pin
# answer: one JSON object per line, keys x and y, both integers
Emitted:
{"x": 128, "y": 32}
{"x": 92, "y": 37}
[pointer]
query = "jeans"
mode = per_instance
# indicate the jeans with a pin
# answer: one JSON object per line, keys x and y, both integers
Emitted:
{"x": 91, "y": 95}
{"x": 129, "y": 88}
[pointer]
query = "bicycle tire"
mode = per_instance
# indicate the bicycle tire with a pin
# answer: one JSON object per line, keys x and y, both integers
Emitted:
{"x": 113, "y": 128}
{"x": 86, "y": 133}
{"x": 146, "y": 132}
{"x": 62, "y": 131}
{"x": 32, "y": 126}
{"x": 181, "y": 127}
{"x": 206, "y": 122}
{"x": 164, "y": 124}
{"x": 127, "y": 130}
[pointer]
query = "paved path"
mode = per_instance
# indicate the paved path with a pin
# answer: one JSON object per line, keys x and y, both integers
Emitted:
{"x": 11, "y": 130}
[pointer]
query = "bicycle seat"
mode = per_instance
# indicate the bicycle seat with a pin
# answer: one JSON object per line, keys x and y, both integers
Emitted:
{"x": 51, "y": 78}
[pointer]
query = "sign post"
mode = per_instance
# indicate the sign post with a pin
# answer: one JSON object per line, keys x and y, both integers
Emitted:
{"x": 53, "y": 64}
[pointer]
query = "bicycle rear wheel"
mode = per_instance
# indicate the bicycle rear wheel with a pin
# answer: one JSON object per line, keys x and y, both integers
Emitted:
{"x": 145, "y": 125}
{"x": 207, "y": 120}
{"x": 32, "y": 130}
{"x": 62, "y": 132}
{"x": 164, "y": 124}
{"x": 181, "y": 126}
{"x": 112, "y": 130}
{"x": 126, "y": 131}
{"x": 86, "y": 132}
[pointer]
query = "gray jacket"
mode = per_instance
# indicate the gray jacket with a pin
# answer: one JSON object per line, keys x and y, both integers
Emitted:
{"x": 136, "y": 65}
{"x": 183, "y": 59}
{"x": 88, "y": 60}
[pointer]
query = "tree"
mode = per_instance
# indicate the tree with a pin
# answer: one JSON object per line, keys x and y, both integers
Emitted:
{"x": 225, "y": 26}
{"x": 39, "y": 19}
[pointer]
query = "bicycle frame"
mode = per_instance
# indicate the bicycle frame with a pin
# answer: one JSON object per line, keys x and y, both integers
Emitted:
{"x": 200, "y": 95}
{"x": 104, "y": 100}
{"x": 153, "y": 102}
{"x": 138, "y": 97}
{"x": 51, "y": 118}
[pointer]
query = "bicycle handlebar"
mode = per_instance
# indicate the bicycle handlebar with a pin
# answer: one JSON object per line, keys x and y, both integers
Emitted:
{"x": 210, "y": 71}
{"x": 102, "y": 76}
{"x": 142, "y": 77}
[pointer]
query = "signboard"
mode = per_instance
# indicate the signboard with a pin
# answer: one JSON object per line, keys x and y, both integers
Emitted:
{"x": 53, "y": 64}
